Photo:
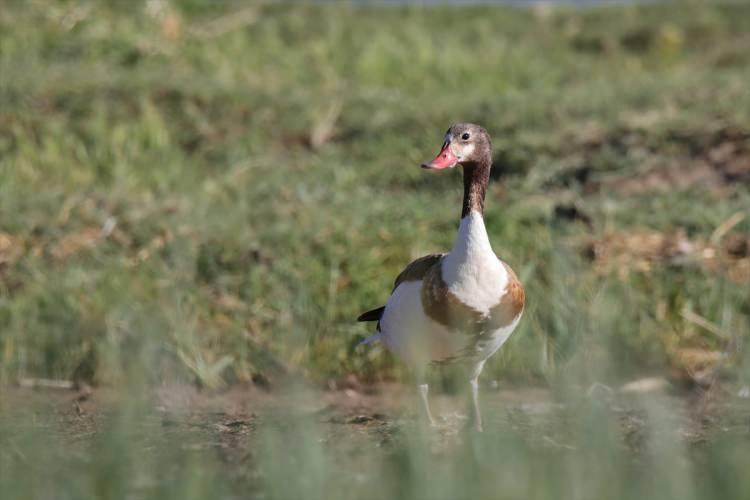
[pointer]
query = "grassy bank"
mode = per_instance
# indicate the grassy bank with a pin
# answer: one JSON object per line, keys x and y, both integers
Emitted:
{"x": 212, "y": 193}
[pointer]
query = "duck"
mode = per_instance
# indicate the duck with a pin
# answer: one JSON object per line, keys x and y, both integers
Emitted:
{"x": 460, "y": 306}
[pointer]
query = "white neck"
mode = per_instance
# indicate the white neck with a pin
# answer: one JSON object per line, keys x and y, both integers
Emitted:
{"x": 472, "y": 238}
{"x": 471, "y": 269}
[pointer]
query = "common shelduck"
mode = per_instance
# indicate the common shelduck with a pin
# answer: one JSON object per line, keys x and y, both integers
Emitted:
{"x": 459, "y": 306}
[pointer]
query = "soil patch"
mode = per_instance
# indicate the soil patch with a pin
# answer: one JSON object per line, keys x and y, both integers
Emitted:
{"x": 676, "y": 161}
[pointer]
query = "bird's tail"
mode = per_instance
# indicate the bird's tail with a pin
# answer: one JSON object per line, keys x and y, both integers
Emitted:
{"x": 375, "y": 337}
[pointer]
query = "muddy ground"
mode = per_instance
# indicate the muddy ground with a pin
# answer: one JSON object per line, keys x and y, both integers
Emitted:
{"x": 228, "y": 420}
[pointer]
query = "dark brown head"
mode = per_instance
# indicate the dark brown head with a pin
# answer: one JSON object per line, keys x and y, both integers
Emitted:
{"x": 465, "y": 144}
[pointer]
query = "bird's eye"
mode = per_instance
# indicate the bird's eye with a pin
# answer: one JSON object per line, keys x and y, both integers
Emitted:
{"x": 465, "y": 136}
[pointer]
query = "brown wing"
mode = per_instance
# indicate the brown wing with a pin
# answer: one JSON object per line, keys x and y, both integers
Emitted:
{"x": 413, "y": 272}
{"x": 512, "y": 303}
{"x": 417, "y": 270}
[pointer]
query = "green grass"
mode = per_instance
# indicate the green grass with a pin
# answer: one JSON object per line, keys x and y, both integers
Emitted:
{"x": 209, "y": 193}
{"x": 257, "y": 168}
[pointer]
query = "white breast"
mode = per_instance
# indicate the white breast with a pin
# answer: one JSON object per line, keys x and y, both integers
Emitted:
{"x": 471, "y": 270}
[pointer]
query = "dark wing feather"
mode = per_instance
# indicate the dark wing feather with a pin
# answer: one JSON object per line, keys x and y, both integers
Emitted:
{"x": 372, "y": 315}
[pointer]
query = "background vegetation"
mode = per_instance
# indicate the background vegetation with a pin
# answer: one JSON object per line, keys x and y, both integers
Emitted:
{"x": 210, "y": 192}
